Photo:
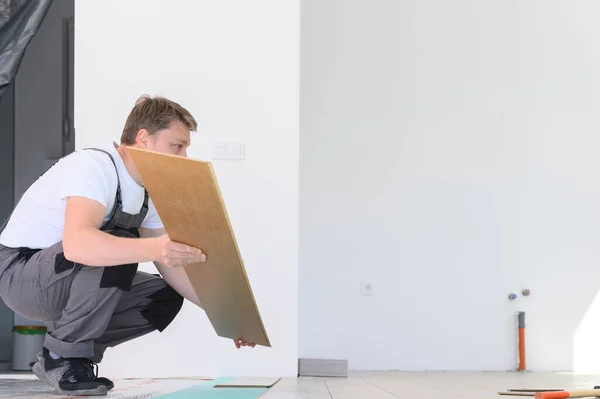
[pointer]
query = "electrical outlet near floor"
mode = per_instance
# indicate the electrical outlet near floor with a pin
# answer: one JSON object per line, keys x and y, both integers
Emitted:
{"x": 367, "y": 289}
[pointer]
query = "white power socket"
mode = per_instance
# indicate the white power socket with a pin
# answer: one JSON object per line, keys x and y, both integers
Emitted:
{"x": 367, "y": 289}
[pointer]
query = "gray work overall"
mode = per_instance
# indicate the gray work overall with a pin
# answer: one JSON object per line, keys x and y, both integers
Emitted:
{"x": 87, "y": 309}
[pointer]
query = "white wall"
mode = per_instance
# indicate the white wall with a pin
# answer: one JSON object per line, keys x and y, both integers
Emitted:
{"x": 449, "y": 155}
{"x": 235, "y": 66}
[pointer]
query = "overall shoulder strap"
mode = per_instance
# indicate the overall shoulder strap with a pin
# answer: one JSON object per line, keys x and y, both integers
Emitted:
{"x": 116, "y": 171}
{"x": 111, "y": 159}
{"x": 118, "y": 199}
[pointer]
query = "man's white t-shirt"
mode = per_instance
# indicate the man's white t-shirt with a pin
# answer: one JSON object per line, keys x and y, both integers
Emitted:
{"x": 39, "y": 217}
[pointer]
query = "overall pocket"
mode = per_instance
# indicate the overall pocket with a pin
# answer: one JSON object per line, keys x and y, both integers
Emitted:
{"x": 54, "y": 269}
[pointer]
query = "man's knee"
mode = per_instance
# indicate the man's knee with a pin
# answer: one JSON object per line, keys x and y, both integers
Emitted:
{"x": 164, "y": 306}
{"x": 121, "y": 276}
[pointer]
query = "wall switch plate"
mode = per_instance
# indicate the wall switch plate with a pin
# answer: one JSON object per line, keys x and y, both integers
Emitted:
{"x": 229, "y": 150}
{"x": 367, "y": 289}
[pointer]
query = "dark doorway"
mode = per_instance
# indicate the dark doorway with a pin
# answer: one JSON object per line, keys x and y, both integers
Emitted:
{"x": 36, "y": 123}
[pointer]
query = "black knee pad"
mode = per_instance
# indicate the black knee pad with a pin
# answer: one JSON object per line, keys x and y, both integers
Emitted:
{"x": 122, "y": 276}
{"x": 164, "y": 305}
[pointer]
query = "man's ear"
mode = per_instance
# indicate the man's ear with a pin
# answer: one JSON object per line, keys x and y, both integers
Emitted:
{"x": 142, "y": 138}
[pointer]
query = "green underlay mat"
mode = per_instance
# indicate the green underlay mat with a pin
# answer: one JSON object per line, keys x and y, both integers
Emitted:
{"x": 207, "y": 391}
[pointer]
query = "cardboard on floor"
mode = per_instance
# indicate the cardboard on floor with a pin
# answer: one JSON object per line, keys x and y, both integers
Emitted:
{"x": 188, "y": 199}
{"x": 248, "y": 382}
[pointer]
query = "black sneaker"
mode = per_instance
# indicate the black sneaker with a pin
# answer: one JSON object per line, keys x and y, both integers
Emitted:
{"x": 80, "y": 379}
{"x": 103, "y": 380}
{"x": 71, "y": 376}
{"x": 51, "y": 370}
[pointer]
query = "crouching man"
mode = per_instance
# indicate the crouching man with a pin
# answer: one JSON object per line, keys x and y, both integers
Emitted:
{"x": 69, "y": 253}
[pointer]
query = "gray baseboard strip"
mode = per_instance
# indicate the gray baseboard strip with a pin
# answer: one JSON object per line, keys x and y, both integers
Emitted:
{"x": 322, "y": 368}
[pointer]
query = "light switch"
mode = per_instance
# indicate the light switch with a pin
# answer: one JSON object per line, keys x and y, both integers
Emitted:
{"x": 228, "y": 150}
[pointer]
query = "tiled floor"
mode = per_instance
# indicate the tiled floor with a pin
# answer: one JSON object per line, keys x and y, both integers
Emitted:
{"x": 392, "y": 385}
{"x": 359, "y": 385}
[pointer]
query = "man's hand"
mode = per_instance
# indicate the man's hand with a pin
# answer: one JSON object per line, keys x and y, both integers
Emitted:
{"x": 176, "y": 277}
{"x": 239, "y": 343}
{"x": 173, "y": 254}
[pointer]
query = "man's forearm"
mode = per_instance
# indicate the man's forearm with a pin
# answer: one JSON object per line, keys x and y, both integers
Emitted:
{"x": 93, "y": 247}
{"x": 179, "y": 281}
{"x": 175, "y": 277}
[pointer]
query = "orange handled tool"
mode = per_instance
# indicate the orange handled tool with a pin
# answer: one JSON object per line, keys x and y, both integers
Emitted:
{"x": 521, "y": 326}
{"x": 568, "y": 394}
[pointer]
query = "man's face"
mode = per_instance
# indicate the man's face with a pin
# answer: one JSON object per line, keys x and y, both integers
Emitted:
{"x": 175, "y": 140}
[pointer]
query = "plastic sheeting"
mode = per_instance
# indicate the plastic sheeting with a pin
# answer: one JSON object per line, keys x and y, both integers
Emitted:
{"x": 19, "y": 21}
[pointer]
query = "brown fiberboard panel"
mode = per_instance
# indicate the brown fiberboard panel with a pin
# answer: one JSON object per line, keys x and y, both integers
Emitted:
{"x": 188, "y": 199}
{"x": 249, "y": 382}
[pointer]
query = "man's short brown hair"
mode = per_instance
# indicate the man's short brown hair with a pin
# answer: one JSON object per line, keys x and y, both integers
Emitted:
{"x": 155, "y": 114}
